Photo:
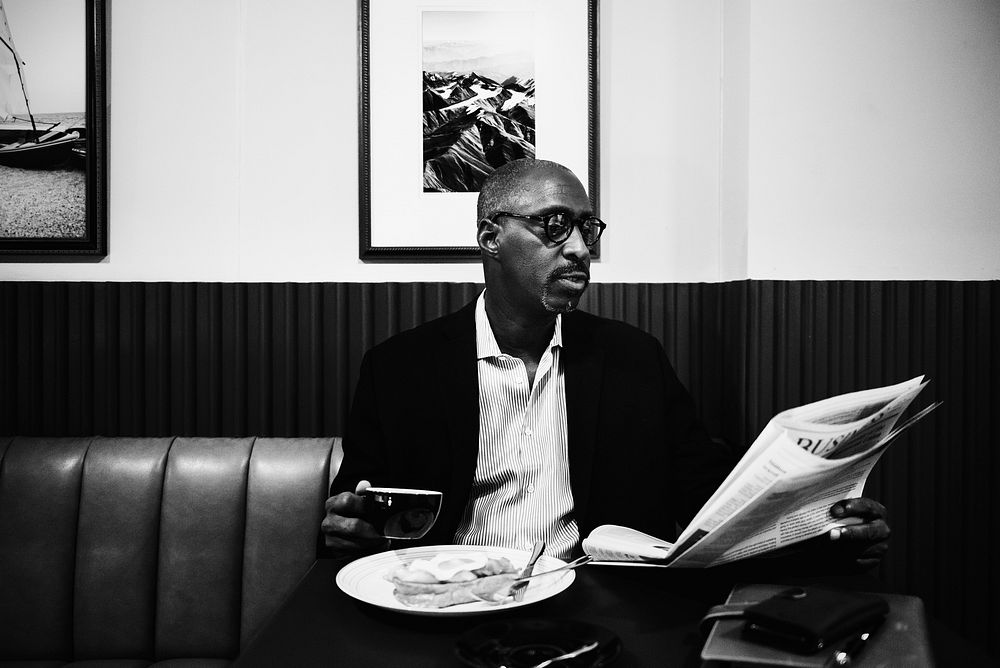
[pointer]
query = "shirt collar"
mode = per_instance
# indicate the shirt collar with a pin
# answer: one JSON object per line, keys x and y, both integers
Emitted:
{"x": 486, "y": 342}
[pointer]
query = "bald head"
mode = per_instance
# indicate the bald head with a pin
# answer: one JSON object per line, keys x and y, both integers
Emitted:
{"x": 507, "y": 183}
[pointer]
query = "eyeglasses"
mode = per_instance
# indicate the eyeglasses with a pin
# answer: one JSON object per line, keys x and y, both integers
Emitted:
{"x": 559, "y": 226}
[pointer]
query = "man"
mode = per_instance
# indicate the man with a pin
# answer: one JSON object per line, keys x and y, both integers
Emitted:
{"x": 537, "y": 421}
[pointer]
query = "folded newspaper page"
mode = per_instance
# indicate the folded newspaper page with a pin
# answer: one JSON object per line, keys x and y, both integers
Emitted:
{"x": 805, "y": 460}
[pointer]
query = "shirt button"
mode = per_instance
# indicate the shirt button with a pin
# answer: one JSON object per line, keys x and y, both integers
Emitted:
{"x": 527, "y": 431}
{"x": 531, "y": 489}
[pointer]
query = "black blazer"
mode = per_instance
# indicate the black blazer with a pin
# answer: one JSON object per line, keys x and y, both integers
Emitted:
{"x": 637, "y": 454}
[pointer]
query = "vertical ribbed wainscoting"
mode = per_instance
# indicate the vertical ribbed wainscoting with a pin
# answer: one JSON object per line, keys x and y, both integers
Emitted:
{"x": 196, "y": 359}
{"x": 809, "y": 340}
{"x": 150, "y": 359}
{"x": 231, "y": 359}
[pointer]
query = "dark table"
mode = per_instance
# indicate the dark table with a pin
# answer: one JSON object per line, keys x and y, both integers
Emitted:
{"x": 653, "y": 611}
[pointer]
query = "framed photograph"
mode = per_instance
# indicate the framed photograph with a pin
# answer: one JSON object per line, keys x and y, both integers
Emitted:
{"x": 453, "y": 89}
{"x": 53, "y": 129}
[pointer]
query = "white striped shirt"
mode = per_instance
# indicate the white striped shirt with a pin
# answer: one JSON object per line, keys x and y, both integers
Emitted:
{"x": 521, "y": 491}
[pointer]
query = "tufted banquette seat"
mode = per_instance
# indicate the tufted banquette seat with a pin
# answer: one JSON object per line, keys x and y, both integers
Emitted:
{"x": 169, "y": 552}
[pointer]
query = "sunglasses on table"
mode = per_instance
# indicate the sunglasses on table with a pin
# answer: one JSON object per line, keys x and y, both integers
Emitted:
{"x": 559, "y": 226}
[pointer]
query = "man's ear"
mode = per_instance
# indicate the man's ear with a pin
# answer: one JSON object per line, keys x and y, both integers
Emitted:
{"x": 487, "y": 236}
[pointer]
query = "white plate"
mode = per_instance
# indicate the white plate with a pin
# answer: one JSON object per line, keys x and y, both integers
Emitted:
{"x": 364, "y": 579}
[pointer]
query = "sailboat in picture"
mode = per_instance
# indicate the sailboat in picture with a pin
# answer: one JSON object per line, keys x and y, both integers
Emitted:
{"x": 32, "y": 147}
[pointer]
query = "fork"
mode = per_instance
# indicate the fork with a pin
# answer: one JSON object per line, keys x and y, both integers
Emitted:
{"x": 576, "y": 563}
{"x": 522, "y": 584}
{"x": 568, "y": 655}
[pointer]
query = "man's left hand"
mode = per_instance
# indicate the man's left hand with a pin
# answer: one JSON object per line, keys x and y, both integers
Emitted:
{"x": 866, "y": 543}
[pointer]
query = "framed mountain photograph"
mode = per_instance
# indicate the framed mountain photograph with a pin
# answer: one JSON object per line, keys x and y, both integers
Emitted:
{"x": 53, "y": 129}
{"x": 452, "y": 90}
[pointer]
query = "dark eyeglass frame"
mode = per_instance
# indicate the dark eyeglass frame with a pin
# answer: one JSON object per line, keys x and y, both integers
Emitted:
{"x": 546, "y": 221}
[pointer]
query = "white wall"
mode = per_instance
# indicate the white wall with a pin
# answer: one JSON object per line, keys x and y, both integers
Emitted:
{"x": 874, "y": 132}
{"x": 738, "y": 139}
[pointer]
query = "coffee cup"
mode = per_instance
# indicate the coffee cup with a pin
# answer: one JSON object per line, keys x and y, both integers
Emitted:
{"x": 400, "y": 513}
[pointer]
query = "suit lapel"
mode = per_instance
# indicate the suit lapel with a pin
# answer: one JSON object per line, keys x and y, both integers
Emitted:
{"x": 584, "y": 367}
{"x": 455, "y": 361}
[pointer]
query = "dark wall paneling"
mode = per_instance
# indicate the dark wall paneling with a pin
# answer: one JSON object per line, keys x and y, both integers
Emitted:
{"x": 809, "y": 340}
{"x": 198, "y": 359}
{"x": 212, "y": 359}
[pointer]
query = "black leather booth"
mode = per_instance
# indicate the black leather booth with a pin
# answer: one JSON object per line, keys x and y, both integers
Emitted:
{"x": 152, "y": 551}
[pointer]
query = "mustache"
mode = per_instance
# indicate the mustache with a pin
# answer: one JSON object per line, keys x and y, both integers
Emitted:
{"x": 576, "y": 268}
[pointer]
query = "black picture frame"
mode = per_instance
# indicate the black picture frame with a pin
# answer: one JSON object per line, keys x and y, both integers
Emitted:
{"x": 93, "y": 243}
{"x": 443, "y": 253}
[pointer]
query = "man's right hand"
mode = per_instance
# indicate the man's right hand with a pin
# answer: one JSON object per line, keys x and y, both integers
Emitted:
{"x": 343, "y": 529}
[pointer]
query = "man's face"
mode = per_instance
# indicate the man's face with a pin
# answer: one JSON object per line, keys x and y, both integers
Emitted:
{"x": 535, "y": 272}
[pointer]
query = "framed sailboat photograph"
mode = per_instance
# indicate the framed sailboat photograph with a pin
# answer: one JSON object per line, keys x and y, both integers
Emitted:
{"x": 53, "y": 129}
{"x": 450, "y": 91}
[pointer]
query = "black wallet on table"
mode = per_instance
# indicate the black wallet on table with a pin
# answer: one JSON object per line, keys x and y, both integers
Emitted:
{"x": 807, "y": 619}
{"x": 779, "y": 625}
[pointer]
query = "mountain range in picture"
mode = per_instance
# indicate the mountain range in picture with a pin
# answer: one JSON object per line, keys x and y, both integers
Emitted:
{"x": 472, "y": 125}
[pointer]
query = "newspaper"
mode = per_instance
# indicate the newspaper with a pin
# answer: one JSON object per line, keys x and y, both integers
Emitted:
{"x": 805, "y": 460}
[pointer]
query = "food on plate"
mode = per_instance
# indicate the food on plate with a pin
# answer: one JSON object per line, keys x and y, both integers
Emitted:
{"x": 450, "y": 579}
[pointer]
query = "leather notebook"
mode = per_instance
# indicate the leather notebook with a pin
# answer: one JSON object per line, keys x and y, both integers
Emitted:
{"x": 900, "y": 640}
